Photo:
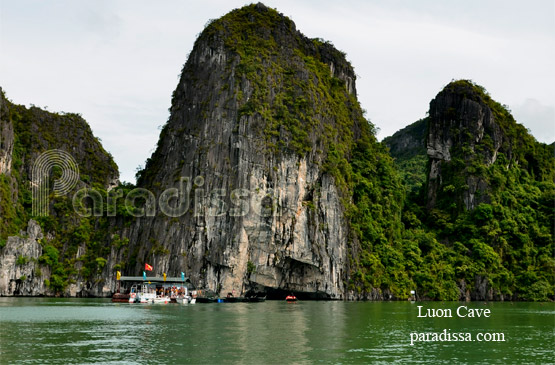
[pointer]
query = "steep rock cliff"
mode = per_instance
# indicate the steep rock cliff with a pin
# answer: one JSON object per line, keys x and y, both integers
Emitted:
{"x": 45, "y": 259}
{"x": 466, "y": 130}
{"x": 408, "y": 147}
{"x": 20, "y": 270}
{"x": 461, "y": 119}
{"x": 264, "y": 122}
{"x": 409, "y": 141}
{"x": 487, "y": 204}
{"x": 6, "y": 137}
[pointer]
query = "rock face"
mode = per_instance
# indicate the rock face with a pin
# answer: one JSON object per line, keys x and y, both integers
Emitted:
{"x": 25, "y": 133}
{"x": 408, "y": 147}
{"x": 409, "y": 141}
{"x": 263, "y": 215}
{"x": 247, "y": 191}
{"x": 6, "y": 138}
{"x": 460, "y": 120}
{"x": 20, "y": 272}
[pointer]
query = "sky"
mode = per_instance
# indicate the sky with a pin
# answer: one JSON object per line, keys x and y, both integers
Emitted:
{"x": 117, "y": 62}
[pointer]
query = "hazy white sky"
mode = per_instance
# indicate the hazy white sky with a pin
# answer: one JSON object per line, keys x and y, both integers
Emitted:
{"x": 117, "y": 62}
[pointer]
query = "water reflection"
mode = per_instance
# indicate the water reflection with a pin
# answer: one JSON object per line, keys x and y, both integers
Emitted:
{"x": 66, "y": 331}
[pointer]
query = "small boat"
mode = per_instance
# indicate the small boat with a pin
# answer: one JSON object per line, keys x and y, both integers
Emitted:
{"x": 161, "y": 300}
{"x": 206, "y": 296}
{"x": 146, "y": 298}
{"x": 291, "y": 298}
{"x": 144, "y": 294}
{"x": 120, "y": 298}
{"x": 185, "y": 299}
{"x": 230, "y": 298}
{"x": 255, "y": 299}
{"x": 207, "y": 299}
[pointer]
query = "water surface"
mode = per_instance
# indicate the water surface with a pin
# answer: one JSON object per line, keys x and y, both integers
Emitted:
{"x": 52, "y": 330}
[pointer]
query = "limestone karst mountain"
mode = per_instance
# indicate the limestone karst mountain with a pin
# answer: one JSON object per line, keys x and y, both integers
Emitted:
{"x": 35, "y": 260}
{"x": 487, "y": 196}
{"x": 267, "y": 120}
{"x": 268, "y": 179}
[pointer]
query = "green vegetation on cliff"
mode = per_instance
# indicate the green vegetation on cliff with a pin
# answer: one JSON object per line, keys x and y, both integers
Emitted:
{"x": 502, "y": 247}
{"x": 498, "y": 243}
{"x": 408, "y": 148}
{"x": 34, "y": 132}
{"x": 298, "y": 96}
{"x": 292, "y": 85}
{"x": 479, "y": 226}
{"x": 304, "y": 91}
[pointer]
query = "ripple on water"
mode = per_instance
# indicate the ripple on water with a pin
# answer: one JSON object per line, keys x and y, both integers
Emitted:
{"x": 88, "y": 331}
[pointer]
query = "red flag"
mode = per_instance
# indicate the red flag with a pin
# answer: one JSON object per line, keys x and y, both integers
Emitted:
{"x": 148, "y": 267}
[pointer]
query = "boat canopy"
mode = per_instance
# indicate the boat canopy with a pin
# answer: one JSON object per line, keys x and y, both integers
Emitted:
{"x": 155, "y": 279}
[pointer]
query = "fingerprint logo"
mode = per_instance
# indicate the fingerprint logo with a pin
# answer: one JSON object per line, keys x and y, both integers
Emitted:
{"x": 40, "y": 178}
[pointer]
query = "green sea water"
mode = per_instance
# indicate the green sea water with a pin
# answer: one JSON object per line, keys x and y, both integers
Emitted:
{"x": 61, "y": 331}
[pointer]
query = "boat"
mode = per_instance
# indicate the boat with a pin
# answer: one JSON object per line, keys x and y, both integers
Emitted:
{"x": 140, "y": 294}
{"x": 120, "y": 298}
{"x": 235, "y": 300}
{"x": 161, "y": 300}
{"x": 182, "y": 296}
{"x": 155, "y": 290}
{"x": 146, "y": 298}
{"x": 185, "y": 299}
{"x": 230, "y": 298}
{"x": 146, "y": 295}
{"x": 206, "y": 296}
{"x": 255, "y": 299}
{"x": 291, "y": 298}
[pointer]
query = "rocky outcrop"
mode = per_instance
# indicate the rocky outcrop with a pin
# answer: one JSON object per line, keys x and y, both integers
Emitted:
{"x": 6, "y": 137}
{"x": 460, "y": 120}
{"x": 20, "y": 271}
{"x": 25, "y": 133}
{"x": 408, "y": 147}
{"x": 409, "y": 141}
{"x": 246, "y": 152}
{"x": 299, "y": 246}
{"x": 263, "y": 216}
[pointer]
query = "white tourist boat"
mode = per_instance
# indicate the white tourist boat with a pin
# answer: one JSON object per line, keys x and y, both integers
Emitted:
{"x": 147, "y": 294}
{"x": 157, "y": 290}
{"x": 186, "y": 297}
{"x": 161, "y": 300}
{"x": 143, "y": 293}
